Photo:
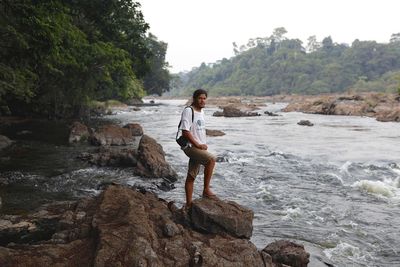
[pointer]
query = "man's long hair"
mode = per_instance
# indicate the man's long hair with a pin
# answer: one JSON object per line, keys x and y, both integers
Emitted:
{"x": 197, "y": 93}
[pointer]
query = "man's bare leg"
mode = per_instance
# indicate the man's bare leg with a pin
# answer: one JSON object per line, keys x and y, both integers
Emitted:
{"x": 189, "y": 190}
{"x": 208, "y": 172}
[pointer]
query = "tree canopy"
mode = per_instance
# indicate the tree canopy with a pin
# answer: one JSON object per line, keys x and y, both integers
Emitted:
{"x": 58, "y": 55}
{"x": 278, "y": 65}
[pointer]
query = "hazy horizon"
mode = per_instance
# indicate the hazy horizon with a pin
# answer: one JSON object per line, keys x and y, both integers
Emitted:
{"x": 204, "y": 31}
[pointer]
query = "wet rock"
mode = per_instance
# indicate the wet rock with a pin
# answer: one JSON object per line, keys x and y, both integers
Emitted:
{"x": 230, "y": 111}
{"x": 217, "y": 217}
{"x": 126, "y": 227}
{"x": 128, "y": 147}
{"x": 271, "y": 114}
{"x": 289, "y": 253}
{"x": 112, "y": 157}
{"x": 4, "y": 142}
{"x": 112, "y": 135}
{"x": 305, "y": 123}
{"x": 147, "y": 233}
{"x": 79, "y": 132}
{"x": 151, "y": 160}
{"x": 214, "y": 133}
{"x": 135, "y": 129}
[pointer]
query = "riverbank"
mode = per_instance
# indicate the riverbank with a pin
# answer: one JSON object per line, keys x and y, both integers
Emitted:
{"x": 382, "y": 106}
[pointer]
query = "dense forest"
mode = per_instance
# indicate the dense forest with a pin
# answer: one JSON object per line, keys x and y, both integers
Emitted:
{"x": 59, "y": 56}
{"x": 278, "y": 65}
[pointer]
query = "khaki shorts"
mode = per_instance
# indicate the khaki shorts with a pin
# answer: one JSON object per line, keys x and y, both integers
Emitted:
{"x": 197, "y": 157}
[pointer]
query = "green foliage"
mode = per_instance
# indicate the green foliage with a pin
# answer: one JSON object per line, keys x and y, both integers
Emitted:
{"x": 57, "y": 56}
{"x": 277, "y": 65}
{"x": 157, "y": 79}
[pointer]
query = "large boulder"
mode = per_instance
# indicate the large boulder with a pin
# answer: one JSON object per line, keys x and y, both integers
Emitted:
{"x": 151, "y": 160}
{"x": 218, "y": 217}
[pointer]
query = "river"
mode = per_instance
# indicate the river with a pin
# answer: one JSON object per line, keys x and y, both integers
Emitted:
{"x": 333, "y": 187}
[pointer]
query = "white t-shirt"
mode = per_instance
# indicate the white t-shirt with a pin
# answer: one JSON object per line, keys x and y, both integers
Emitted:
{"x": 198, "y": 128}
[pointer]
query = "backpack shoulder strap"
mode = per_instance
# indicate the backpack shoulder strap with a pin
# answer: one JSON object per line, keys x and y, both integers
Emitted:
{"x": 192, "y": 114}
{"x": 180, "y": 122}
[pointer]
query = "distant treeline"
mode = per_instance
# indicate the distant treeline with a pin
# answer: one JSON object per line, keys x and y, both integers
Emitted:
{"x": 277, "y": 65}
{"x": 57, "y": 56}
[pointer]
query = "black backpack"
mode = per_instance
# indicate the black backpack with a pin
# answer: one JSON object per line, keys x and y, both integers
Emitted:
{"x": 183, "y": 141}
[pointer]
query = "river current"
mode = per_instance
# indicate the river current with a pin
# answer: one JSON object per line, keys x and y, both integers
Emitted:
{"x": 333, "y": 187}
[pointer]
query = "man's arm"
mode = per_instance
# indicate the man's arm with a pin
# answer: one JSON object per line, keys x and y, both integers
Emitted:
{"x": 190, "y": 137}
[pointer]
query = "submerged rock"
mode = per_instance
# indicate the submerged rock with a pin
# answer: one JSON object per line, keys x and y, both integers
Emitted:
{"x": 214, "y": 133}
{"x": 305, "y": 123}
{"x": 271, "y": 114}
{"x": 288, "y": 253}
{"x": 126, "y": 227}
{"x": 4, "y": 142}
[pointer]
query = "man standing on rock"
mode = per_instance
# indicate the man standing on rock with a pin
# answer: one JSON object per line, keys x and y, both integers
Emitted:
{"x": 193, "y": 129}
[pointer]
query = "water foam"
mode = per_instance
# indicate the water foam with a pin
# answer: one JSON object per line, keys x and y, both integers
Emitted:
{"x": 389, "y": 188}
{"x": 292, "y": 213}
{"x": 349, "y": 251}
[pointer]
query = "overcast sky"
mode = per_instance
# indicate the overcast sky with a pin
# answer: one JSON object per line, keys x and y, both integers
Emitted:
{"x": 203, "y": 30}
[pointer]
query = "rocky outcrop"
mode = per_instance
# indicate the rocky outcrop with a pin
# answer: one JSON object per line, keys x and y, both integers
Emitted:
{"x": 111, "y": 157}
{"x": 127, "y": 227}
{"x": 384, "y": 107}
{"x": 214, "y": 133}
{"x": 4, "y": 142}
{"x": 128, "y": 147}
{"x": 112, "y": 135}
{"x": 230, "y": 111}
{"x": 389, "y": 115}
